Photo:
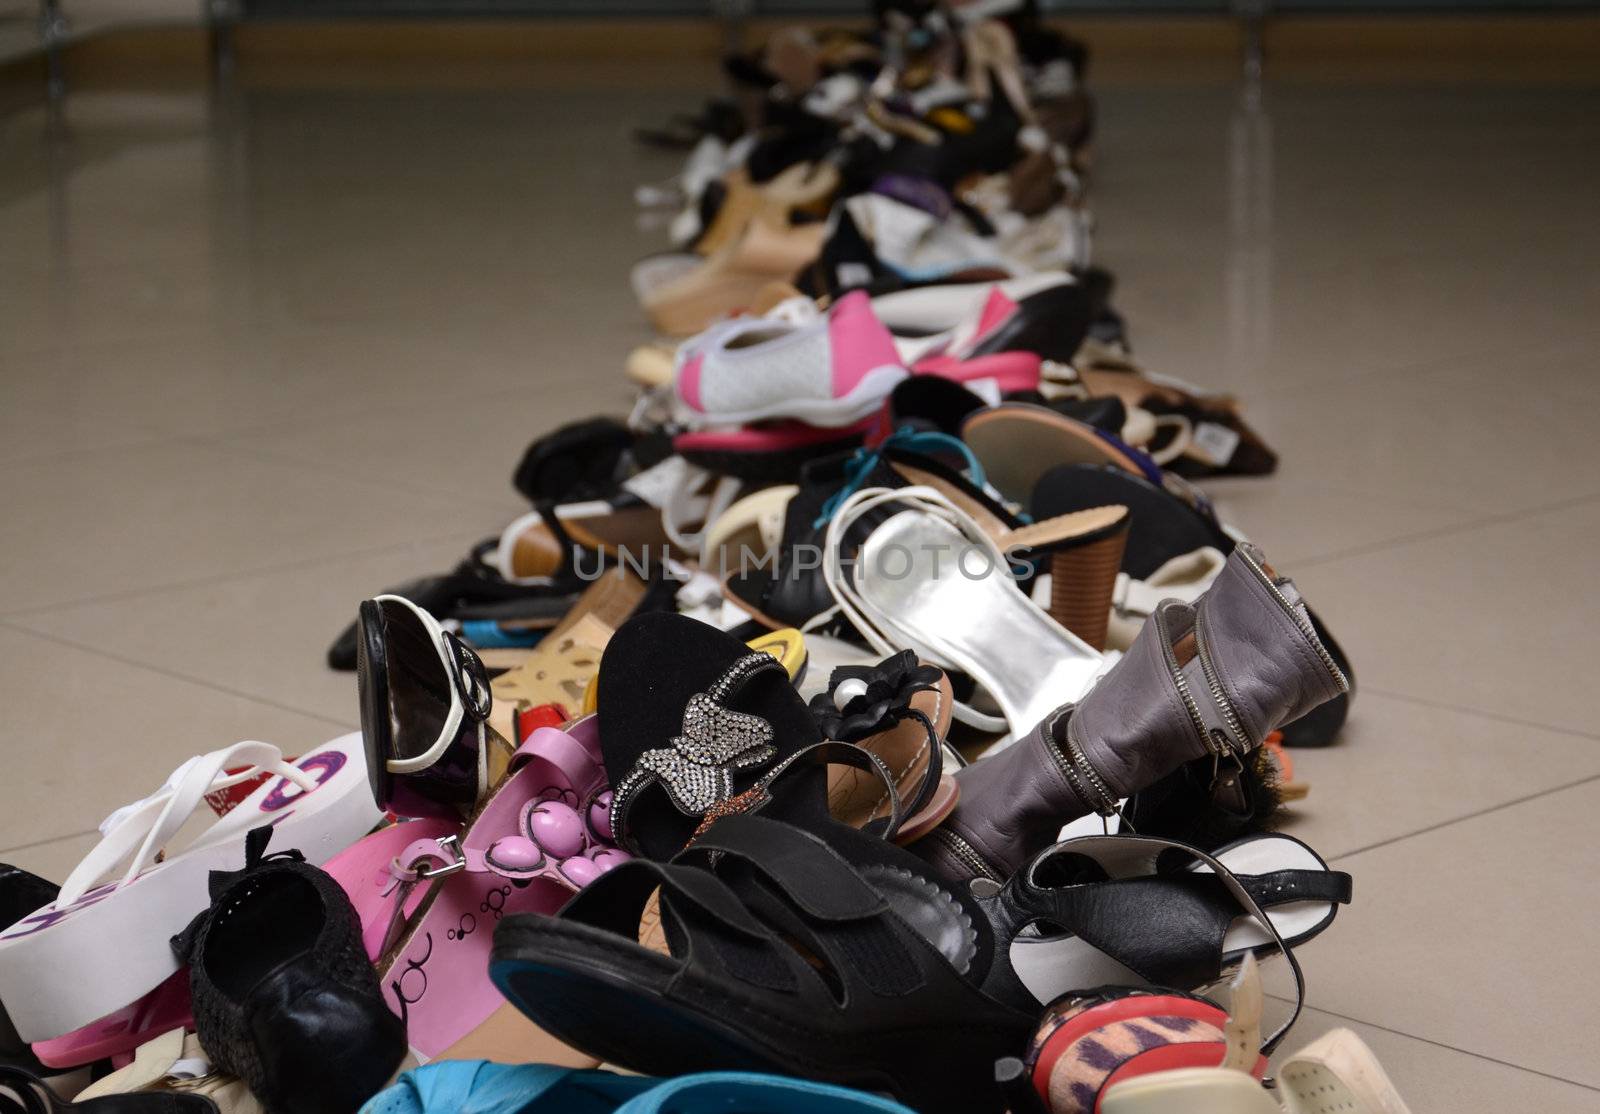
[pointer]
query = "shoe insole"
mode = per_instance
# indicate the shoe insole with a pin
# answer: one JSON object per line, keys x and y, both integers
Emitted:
{"x": 856, "y": 797}
{"x": 982, "y": 625}
{"x": 1018, "y": 443}
{"x": 1338, "y": 1074}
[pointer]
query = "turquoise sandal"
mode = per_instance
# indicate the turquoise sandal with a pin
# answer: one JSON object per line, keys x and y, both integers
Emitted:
{"x": 481, "y": 1087}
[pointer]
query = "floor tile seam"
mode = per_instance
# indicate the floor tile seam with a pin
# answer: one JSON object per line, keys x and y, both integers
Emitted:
{"x": 467, "y": 536}
{"x": 1482, "y": 713}
{"x": 1222, "y": 490}
{"x": 403, "y": 403}
{"x": 1439, "y": 1044}
{"x": 6, "y": 852}
{"x": 363, "y": 478}
{"x": 1432, "y": 363}
{"x": 1498, "y": 518}
{"x": 179, "y": 675}
{"x": 1476, "y": 814}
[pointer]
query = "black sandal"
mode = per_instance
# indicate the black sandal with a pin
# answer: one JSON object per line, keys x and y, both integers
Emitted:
{"x": 691, "y": 717}
{"x": 702, "y": 720}
{"x": 1142, "y": 910}
{"x": 833, "y": 956}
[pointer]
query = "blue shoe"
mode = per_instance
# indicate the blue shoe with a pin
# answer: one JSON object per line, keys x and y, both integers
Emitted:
{"x": 481, "y": 1087}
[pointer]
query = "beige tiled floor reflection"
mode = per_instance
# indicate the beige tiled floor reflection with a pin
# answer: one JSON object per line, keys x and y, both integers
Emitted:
{"x": 265, "y": 352}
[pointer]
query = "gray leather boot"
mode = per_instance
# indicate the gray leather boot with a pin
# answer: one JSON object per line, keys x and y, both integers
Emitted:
{"x": 1210, "y": 679}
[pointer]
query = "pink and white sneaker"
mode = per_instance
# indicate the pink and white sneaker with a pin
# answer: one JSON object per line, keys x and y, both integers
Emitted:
{"x": 1046, "y": 314}
{"x": 830, "y": 371}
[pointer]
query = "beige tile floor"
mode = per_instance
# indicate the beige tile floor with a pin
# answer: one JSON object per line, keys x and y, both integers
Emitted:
{"x": 266, "y": 351}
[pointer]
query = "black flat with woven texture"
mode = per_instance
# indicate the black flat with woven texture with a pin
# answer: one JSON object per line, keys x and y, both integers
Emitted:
{"x": 284, "y": 995}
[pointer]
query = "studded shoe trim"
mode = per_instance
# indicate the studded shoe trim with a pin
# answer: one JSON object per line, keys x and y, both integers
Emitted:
{"x": 696, "y": 767}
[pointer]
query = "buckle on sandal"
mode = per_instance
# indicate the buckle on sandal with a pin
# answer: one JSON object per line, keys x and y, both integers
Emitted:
{"x": 451, "y": 845}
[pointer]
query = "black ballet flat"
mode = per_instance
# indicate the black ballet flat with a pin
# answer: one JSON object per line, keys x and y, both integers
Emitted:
{"x": 284, "y": 995}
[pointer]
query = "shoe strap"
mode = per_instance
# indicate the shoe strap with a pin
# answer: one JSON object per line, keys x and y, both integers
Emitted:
{"x": 696, "y": 766}
{"x": 909, "y": 439}
{"x": 1184, "y": 577}
{"x": 876, "y": 628}
{"x": 826, "y": 753}
{"x": 1095, "y": 847}
{"x": 470, "y": 694}
{"x": 141, "y": 829}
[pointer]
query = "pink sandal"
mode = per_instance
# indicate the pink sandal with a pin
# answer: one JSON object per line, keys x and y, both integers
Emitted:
{"x": 118, "y": 1034}
{"x": 539, "y": 838}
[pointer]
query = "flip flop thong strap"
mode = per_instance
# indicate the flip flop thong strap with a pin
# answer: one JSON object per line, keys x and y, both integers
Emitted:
{"x": 143, "y": 828}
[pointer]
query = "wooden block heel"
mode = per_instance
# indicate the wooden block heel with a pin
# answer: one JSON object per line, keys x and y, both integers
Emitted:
{"x": 1082, "y": 579}
{"x": 1085, "y": 550}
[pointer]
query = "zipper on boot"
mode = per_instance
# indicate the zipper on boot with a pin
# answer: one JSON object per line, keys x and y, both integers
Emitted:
{"x": 1181, "y": 683}
{"x": 1239, "y": 744}
{"x": 1081, "y": 774}
{"x": 1299, "y": 618}
{"x": 964, "y": 853}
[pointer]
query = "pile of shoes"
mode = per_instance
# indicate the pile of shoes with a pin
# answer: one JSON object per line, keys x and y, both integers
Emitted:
{"x": 878, "y": 717}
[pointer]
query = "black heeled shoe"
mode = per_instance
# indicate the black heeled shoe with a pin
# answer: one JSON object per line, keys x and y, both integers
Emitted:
{"x": 284, "y": 996}
{"x": 424, "y": 702}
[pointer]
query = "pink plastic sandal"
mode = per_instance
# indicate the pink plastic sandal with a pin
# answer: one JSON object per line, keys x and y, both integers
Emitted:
{"x": 118, "y": 1034}
{"x": 363, "y": 871}
{"x": 543, "y": 835}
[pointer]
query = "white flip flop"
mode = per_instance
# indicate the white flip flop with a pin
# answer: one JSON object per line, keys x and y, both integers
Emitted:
{"x": 119, "y": 908}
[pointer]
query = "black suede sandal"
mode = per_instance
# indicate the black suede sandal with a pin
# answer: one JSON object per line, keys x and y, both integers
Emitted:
{"x": 828, "y": 954}
{"x": 691, "y": 717}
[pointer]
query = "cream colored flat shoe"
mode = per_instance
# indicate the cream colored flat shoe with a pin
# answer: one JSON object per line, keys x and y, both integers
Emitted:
{"x": 1337, "y": 1074}
{"x": 1189, "y": 1091}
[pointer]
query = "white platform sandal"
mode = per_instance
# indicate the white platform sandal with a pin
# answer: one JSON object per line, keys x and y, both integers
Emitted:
{"x": 118, "y": 909}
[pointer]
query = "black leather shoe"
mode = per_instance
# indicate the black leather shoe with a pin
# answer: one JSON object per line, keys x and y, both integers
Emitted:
{"x": 284, "y": 995}
{"x": 21, "y": 893}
